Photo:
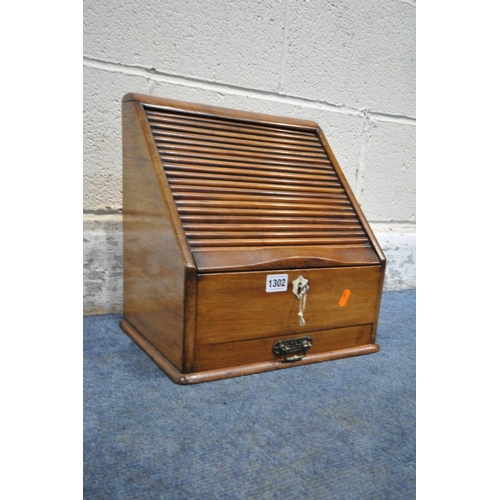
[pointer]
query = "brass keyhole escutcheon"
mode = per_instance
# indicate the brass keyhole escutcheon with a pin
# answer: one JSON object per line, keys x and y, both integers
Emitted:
{"x": 300, "y": 286}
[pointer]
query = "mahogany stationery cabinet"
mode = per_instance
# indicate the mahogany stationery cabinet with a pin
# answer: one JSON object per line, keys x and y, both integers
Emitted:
{"x": 244, "y": 247}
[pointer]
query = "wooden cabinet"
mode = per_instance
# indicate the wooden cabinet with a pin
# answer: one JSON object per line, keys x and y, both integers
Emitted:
{"x": 244, "y": 247}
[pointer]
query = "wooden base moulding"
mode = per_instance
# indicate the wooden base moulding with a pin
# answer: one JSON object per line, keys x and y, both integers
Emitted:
{"x": 236, "y": 371}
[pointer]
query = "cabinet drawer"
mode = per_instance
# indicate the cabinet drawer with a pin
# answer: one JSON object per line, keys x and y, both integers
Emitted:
{"x": 236, "y": 306}
{"x": 211, "y": 357}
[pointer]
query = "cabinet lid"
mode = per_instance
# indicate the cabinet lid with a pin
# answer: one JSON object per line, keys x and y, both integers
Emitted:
{"x": 256, "y": 191}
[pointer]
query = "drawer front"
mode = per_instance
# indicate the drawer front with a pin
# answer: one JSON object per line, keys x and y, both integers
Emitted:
{"x": 236, "y": 306}
{"x": 232, "y": 354}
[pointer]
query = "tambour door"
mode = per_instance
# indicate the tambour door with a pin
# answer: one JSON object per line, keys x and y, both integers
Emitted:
{"x": 256, "y": 192}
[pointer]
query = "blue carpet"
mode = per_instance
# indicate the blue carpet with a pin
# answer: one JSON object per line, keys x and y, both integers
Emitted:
{"x": 342, "y": 429}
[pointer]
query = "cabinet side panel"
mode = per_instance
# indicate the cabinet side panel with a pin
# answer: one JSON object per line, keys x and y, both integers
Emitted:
{"x": 154, "y": 271}
{"x": 379, "y": 300}
{"x": 352, "y": 198}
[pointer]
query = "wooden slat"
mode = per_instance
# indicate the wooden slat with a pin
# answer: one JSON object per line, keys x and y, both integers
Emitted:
{"x": 186, "y": 182}
{"x": 238, "y": 154}
{"x": 273, "y": 234}
{"x": 276, "y": 220}
{"x": 183, "y": 195}
{"x": 291, "y": 149}
{"x": 263, "y": 211}
{"x": 273, "y": 165}
{"x": 257, "y": 172}
{"x": 198, "y": 190}
{"x": 236, "y": 179}
{"x": 275, "y": 241}
{"x": 250, "y": 205}
{"x": 270, "y": 228}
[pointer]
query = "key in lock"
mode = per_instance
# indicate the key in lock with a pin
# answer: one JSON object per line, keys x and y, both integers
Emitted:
{"x": 300, "y": 288}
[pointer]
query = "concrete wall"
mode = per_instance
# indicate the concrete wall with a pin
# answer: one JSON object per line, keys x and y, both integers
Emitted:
{"x": 348, "y": 65}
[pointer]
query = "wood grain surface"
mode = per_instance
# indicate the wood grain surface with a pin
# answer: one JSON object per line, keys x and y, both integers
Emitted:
{"x": 236, "y": 306}
{"x": 155, "y": 267}
{"x": 214, "y": 202}
{"x": 210, "y": 357}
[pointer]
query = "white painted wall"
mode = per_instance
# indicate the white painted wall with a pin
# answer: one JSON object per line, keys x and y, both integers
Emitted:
{"x": 348, "y": 65}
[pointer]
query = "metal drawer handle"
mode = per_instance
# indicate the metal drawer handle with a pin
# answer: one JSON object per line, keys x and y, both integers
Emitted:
{"x": 292, "y": 350}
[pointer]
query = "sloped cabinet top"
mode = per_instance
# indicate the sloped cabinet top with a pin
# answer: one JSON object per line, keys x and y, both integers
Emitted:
{"x": 253, "y": 191}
